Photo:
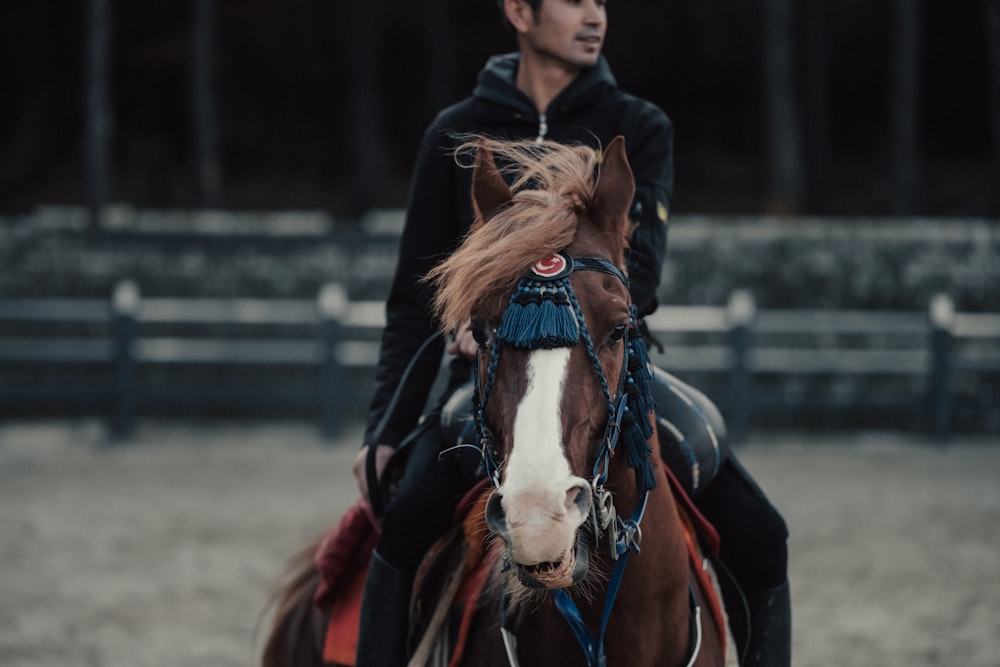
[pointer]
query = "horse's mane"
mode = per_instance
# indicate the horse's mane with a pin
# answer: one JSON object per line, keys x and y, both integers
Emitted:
{"x": 551, "y": 185}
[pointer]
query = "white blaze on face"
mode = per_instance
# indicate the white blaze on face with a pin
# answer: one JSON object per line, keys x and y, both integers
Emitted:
{"x": 541, "y": 498}
{"x": 537, "y": 454}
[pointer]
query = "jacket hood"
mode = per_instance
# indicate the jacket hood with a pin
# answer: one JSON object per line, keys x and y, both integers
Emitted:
{"x": 496, "y": 84}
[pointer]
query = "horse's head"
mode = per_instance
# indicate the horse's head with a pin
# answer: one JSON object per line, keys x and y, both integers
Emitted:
{"x": 541, "y": 278}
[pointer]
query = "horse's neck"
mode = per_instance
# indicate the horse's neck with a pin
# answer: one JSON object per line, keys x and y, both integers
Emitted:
{"x": 652, "y": 612}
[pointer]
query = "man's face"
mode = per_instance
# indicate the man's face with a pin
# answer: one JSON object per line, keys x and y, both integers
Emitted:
{"x": 570, "y": 32}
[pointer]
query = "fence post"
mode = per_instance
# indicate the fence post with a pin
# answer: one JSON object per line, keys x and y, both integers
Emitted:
{"x": 942, "y": 363}
{"x": 125, "y": 303}
{"x": 740, "y": 313}
{"x": 332, "y": 304}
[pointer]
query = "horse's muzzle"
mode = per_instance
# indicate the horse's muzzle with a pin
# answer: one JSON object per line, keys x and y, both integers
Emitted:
{"x": 563, "y": 574}
{"x": 541, "y": 533}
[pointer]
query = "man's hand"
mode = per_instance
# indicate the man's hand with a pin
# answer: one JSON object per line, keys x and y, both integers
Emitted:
{"x": 382, "y": 455}
{"x": 464, "y": 343}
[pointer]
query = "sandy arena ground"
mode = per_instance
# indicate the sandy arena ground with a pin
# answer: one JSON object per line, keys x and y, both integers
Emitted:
{"x": 161, "y": 552}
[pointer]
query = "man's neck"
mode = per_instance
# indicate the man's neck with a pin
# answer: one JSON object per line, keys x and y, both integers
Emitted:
{"x": 543, "y": 79}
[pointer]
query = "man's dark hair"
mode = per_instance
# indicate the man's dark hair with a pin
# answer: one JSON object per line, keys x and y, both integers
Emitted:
{"x": 534, "y": 4}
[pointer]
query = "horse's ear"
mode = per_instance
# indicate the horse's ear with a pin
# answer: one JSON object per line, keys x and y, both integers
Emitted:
{"x": 615, "y": 184}
{"x": 490, "y": 192}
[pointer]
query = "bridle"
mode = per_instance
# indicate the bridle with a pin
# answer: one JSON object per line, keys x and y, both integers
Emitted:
{"x": 543, "y": 313}
{"x": 629, "y": 406}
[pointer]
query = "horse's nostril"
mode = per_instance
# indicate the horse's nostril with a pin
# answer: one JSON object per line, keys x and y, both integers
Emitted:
{"x": 496, "y": 518}
{"x": 580, "y": 496}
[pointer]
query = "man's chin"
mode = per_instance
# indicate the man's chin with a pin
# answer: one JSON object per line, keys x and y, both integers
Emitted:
{"x": 585, "y": 60}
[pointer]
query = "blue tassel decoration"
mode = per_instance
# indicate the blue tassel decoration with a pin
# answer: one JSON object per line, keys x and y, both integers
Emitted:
{"x": 521, "y": 312}
{"x": 637, "y": 450}
{"x": 638, "y": 429}
{"x": 539, "y": 317}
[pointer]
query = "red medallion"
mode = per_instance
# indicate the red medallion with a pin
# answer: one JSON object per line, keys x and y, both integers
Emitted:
{"x": 551, "y": 266}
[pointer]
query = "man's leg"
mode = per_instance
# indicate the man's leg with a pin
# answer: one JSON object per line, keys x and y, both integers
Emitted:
{"x": 419, "y": 514}
{"x": 754, "y": 549}
{"x": 753, "y": 533}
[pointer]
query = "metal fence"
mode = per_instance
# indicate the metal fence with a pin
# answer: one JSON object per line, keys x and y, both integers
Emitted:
{"x": 131, "y": 356}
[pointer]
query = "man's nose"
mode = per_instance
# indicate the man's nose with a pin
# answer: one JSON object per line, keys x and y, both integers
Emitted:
{"x": 594, "y": 15}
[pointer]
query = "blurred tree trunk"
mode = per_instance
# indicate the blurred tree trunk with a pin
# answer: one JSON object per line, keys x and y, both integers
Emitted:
{"x": 98, "y": 119}
{"x": 207, "y": 169}
{"x": 784, "y": 149}
{"x": 437, "y": 22}
{"x": 368, "y": 151}
{"x": 993, "y": 40}
{"x": 817, "y": 127}
{"x": 905, "y": 107}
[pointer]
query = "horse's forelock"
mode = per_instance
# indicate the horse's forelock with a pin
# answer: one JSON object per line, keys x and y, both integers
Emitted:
{"x": 552, "y": 185}
{"x": 484, "y": 271}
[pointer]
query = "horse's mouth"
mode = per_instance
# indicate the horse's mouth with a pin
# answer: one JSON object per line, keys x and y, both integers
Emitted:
{"x": 559, "y": 574}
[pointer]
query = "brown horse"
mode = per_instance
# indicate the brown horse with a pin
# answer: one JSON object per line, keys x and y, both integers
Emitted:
{"x": 597, "y": 567}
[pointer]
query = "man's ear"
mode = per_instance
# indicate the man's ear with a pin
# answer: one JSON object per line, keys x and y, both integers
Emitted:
{"x": 490, "y": 192}
{"x": 520, "y": 14}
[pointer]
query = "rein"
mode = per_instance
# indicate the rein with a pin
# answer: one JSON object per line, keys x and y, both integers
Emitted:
{"x": 543, "y": 313}
{"x": 375, "y": 494}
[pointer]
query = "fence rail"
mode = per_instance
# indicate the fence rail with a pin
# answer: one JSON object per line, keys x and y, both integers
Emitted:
{"x": 133, "y": 355}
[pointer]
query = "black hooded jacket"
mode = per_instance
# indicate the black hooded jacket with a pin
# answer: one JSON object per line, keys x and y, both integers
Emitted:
{"x": 592, "y": 111}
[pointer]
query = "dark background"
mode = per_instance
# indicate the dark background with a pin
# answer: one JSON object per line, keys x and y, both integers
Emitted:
{"x": 320, "y": 103}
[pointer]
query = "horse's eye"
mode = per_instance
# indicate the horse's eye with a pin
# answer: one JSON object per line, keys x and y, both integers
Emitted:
{"x": 618, "y": 334}
{"x": 480, "y": 334}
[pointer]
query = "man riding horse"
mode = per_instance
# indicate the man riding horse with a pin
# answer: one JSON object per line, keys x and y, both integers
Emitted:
{"x": 558, "y": 87}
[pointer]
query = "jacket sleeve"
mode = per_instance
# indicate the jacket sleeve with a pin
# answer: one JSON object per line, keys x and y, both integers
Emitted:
{"x": 431, "y": 230}
{"x": 651, "y": 157}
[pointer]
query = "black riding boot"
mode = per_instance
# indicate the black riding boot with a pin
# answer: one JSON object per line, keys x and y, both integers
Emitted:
{"x": 385, "y": 615}
{"x": 770, "y": 643}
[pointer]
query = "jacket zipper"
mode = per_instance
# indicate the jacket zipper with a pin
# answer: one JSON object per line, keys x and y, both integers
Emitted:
{"x": 543, "y": 129}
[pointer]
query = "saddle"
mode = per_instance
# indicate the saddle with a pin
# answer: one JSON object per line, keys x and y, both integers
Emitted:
{"x": 456, "y": 569}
